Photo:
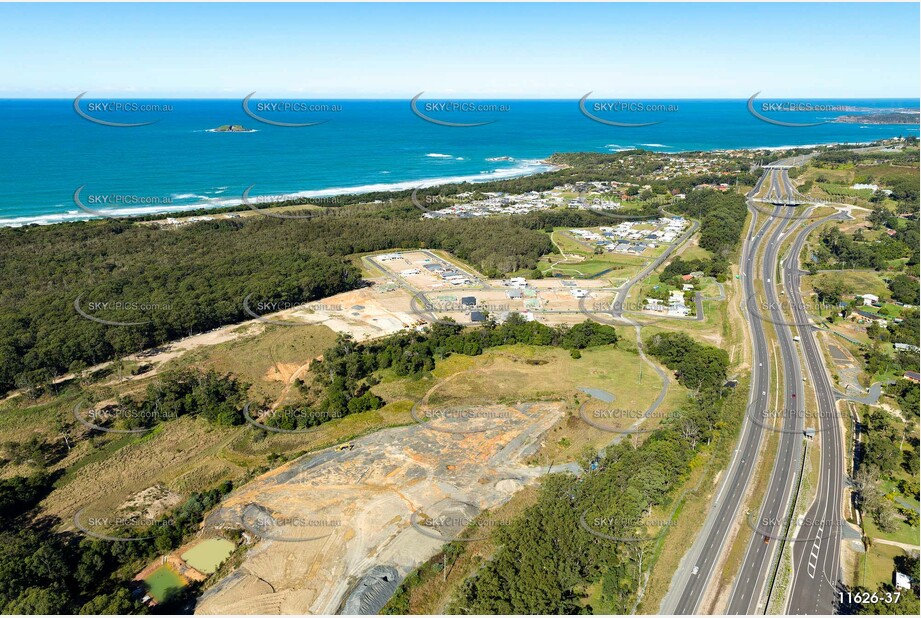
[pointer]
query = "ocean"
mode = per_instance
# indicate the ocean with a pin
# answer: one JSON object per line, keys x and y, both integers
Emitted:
{"x": 177, "y": 162}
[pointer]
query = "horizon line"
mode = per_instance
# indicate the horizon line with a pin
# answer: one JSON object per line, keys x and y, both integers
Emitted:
{"x": 460, "y": 97}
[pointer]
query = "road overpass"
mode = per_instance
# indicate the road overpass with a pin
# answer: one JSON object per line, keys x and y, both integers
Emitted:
{"x": 816, "y": 546}
{"x": 698, "y": 566}
{"x": 816, "y": 568}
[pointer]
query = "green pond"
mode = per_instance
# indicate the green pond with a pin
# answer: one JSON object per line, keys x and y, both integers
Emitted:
{"x": 208, "y": 555}
{"x": 163, "y": 583}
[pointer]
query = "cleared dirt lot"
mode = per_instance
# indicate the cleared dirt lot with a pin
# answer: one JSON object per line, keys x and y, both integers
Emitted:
{"x": 361, "y": 508}
{"x": 428, "y": 294}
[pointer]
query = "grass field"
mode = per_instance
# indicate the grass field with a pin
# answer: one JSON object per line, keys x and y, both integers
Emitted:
{"x": 265, "y": 361}
{"x": 620, "y": 266}
{"x": 208, "y": 555}
{"x": 875, "y": 567}
{"x": 858, "y": 281}
{"x": 836, "y": 190}
{"x": 189, "y": 454}
{"x": 518, "y": 373}
{"x": 695, "y": 252}
{"x": 903, "y": 533}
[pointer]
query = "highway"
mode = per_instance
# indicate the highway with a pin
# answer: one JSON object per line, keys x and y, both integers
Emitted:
{"x": 816, "y": 545}
{"x": 748, "y": 594}
{"x": 697, "y": 568}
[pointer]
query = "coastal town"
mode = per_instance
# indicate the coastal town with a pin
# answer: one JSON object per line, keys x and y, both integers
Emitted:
{"x": 460, "y": 308}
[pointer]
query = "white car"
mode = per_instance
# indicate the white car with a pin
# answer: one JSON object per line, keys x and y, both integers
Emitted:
{"x": 696, "y": 569}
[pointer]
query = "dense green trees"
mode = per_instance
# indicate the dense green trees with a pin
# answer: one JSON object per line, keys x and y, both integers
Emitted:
{"x": 343, "y": 378}
{"x": 722, "y": 219}
{"x": 879, "y": 457}
{"x": 19, "y": 494}
{"x": 698, "y": 367}
{"x": 218, "y": 398}
{"x": 195, "y": 278}
{"x": 907, "y": 394}
{"x": 717, "y": 267}
{"x": 838, "y": 250}
{"x": 178, "y": 281}
{"x": 905, "y": 289}
{"x": 46, "y": 572}
{"x": 549, "y": 555}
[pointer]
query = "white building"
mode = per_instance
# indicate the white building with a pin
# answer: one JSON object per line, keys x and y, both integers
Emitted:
{"x": 869, "y": 299}
{"x": 676, "y": 304}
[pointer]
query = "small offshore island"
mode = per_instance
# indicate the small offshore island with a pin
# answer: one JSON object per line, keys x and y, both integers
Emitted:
{"x": 231, "y": 128}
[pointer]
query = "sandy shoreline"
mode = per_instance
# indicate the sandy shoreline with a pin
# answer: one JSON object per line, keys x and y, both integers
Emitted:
{"x": 538, "y": 166}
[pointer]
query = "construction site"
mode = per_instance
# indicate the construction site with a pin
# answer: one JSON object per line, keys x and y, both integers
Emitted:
{"x": 336, "y": 531}
{"x": 411, "y": 288}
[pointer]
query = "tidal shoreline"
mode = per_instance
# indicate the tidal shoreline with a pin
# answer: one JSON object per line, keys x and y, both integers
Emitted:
{"x": 526, "y": 167}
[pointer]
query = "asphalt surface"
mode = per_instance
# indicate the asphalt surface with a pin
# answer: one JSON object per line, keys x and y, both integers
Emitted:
{"x": 770, "y": 525}
{"x": 620, "y": 299}
{"x": 698, "y": 565}
{"x": 816, "y": 566}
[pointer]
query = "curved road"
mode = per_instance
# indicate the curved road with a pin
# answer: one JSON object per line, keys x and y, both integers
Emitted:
{"x": 770, "y": 528}
{"x": 816, "y": 567}
{"x": 698, "y": 565}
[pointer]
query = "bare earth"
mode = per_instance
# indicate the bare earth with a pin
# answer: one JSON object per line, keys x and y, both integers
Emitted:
{"x": 355, "y": 508}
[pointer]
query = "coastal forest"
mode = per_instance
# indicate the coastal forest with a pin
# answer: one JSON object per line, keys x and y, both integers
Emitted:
{"x": 159, "y": 284}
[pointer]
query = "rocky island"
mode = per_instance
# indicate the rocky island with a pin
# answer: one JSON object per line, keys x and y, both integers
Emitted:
{"x": 231, "y": 128}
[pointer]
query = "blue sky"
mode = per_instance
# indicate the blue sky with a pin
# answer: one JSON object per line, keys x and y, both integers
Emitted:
{"x": 501, "y": 50}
